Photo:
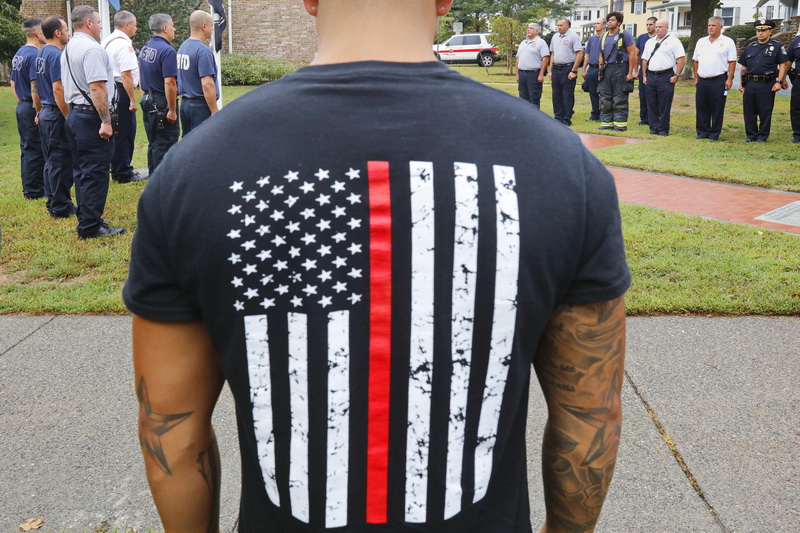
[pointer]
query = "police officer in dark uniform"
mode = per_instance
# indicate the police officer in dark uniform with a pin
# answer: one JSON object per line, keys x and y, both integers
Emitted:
{"x": 159, "y": 105}
{"x": 794, "y": 107}
{"x": 197, "y": 74}
{"x": 764, "y": 68}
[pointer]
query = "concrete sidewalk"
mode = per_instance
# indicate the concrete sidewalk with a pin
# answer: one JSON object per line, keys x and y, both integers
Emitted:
{"x": 724, "y": 391}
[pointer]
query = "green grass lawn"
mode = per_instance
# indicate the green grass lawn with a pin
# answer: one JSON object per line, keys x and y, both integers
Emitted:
{"x": 680, "y": 264}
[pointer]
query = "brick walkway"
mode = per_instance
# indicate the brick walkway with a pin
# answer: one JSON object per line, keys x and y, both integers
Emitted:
{"x": 721, "y": 201}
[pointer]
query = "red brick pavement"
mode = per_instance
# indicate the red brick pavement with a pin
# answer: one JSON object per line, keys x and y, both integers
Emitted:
{"x": 731, "y": 203}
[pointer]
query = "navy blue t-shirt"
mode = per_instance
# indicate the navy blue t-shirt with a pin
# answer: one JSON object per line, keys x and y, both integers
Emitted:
{"x": 157, "y": 60}
{"x": 613, "y": 51}
{"x": 23, "y": 70}
{"x": 48, "y": 71}
{"x": 375, "y": 288}
{"x": 640, "y": 42}
{"x": 195, "y": 60}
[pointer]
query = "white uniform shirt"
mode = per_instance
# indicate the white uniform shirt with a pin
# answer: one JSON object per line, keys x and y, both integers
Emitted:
{"x": 531, "y": 52}
{"x": 714, "y": 58}
{"x": 667, "y": 55}
{"x": 122, "y": 56}
{"x": 87, "y": 63}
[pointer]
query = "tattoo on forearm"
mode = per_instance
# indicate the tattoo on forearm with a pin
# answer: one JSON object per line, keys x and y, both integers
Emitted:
{"x": 153, "y": 426}
{"x": 102, "y": 110}
{"x": 580, "y": 366}
{"x": 209, "y": 468}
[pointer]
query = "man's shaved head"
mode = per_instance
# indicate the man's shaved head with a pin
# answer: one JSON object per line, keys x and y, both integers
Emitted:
{"x": 198, "y": 18}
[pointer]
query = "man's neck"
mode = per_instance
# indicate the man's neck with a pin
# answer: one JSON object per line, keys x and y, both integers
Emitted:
{"x": 33, "y": 42}
{"x": 56, "y": 43}
{"x": 348, "y": 35}
{"x": 198, "y": 37}
{"x": 613, "y": 32}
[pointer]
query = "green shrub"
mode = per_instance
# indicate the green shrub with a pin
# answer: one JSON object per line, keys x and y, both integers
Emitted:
{"x": 251, "y": 69}
{"x": 744, "y": 31}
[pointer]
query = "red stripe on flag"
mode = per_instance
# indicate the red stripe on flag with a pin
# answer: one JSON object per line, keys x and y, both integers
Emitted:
{"x": 380, "y": 340}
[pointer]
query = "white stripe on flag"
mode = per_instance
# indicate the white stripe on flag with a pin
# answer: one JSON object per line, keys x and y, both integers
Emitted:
{"x": 298, "y": 391}
{"x": 465, "y": 265}
{"x": 338, "y": 418}
{"x": 258, "y": 368}
{"x": 505, "y": 315}
{"x": 421, "y": 356}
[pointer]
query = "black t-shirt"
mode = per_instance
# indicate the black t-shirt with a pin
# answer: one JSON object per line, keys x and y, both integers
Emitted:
{"x": 375, "y": 249}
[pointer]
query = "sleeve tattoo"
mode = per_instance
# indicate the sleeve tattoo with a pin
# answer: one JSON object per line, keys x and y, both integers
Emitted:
{"x": 579, "y": 365}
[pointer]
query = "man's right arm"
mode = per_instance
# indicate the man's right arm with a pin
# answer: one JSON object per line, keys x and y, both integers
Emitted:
{"x": 580, "y": 366}
{"x": 171, "y": 90}
{"x": 58, "y": 96}
{"x": 178, "y": 382}
{"x": 14, "y": 91}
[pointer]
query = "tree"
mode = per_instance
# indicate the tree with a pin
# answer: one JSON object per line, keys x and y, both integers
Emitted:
{"x": 11, "y": 36}
{"x": 506, "y": 35}
{"x": 178, "y": 9}
{"x": 702, "y": 10}
{"x": 475, "y": 14}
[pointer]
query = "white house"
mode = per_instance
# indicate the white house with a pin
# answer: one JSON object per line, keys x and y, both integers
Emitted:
{"x": 734, "y": 12}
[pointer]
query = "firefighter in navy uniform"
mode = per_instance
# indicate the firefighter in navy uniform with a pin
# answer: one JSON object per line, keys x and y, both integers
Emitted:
{"x": 794, "y": 75}
{"x": 158, "y": 63}
{"x": 764, "y": 68}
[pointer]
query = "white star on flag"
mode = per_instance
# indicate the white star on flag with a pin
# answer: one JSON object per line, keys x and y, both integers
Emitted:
{"x": 237, "y": 186}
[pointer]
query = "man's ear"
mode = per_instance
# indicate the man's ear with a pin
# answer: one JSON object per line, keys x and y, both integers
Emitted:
{"x": 443, "y": 7}
{"x": 311, "y": 7}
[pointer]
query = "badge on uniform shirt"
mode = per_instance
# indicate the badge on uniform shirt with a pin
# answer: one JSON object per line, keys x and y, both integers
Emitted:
{"x": 771, "y": 48}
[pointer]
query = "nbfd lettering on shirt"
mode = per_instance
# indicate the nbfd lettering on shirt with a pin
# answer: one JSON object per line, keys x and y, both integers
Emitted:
{"x": 183, "y": 61}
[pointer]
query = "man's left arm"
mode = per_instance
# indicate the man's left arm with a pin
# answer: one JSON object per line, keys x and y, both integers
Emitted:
{"x": 680, "y": 63}
{"x": 210, "y": 92}
{"x": 576, "y": 64}
{"x": 178, "y": 382}
{"x": 783, "y": 72}
{"x": 37, "y": 102}
{"x": 633, "y": 60}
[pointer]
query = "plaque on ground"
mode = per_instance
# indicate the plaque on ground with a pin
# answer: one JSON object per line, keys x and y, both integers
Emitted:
{"x": 788, "y": 214}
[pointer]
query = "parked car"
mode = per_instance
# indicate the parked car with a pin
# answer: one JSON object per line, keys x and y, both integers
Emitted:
{"x": 467, "y": 47}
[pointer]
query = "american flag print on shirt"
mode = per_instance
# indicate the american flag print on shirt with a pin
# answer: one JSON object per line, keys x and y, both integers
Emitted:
{"x": 313, "y": 255}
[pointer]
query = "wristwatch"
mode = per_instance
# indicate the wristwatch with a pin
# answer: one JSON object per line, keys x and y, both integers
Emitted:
{"x": 574, "y": 71}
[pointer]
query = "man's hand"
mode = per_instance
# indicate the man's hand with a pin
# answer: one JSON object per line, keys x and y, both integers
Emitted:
{"x": 571, "y": 76}
{"x": 133, "y": 107}
{"x": 580, "y": 367}
{"x": 105, "y": 130}
{"x": 629, "y": 77}
{"x": 540, "y": 79}
{"x": 172, "y": 116}
{"x": 728, "y": 83}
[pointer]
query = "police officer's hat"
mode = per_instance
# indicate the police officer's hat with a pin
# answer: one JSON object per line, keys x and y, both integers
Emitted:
{"x": 764, "y": 24}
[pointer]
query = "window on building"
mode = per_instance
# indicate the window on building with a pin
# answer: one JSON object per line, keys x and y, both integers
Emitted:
{"x": 728, "y": 17}
{"x": 619, "y": 5}
{"x": 638, "y": 8}
{"x": 770, "y": 12}
{"x": 687, "y": 18}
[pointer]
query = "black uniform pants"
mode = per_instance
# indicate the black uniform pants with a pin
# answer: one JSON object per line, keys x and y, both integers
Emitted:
{"x": 709, "y": 100}
{"x": 91, "y": 154}
{"x": 194, "y": 111}
{"x": 660, "y": 93}
{"x": 794, "y": 108}
{"x": 643, "y": 113}
{"x": 58, "y": 169}
{"x": 161, "y": 134}
{"x": 594, "y": 94}
{"x": 530, "y": 88}
{"x": 613, "y": 98}
{"x": 757, "y": 102}
{"x": 31, "y": 159}
{"x": 563, "y": 95}
{"x": 123, "y": 140}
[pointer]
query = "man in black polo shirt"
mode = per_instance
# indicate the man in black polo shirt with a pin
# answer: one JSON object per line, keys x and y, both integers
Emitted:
{"x": 159, "y": 105}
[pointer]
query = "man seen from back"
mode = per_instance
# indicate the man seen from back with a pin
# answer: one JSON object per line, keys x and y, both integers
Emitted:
{"x": 376, "y": 292}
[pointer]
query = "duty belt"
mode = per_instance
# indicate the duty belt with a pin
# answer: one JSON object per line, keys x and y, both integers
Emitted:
{"x": 562, "y": 65}
{"x": 82, "y": 107}
{"x": 660, "y": 71}
{"x": 760, "y": 77}
{"x": 594, "y": 65}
